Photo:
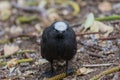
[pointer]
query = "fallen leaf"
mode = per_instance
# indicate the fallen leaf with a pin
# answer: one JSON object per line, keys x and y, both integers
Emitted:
{"x": 15, "y": 71}
{"x": 42, "y": 4}
{"x": 4, "y": 15}
{"x": 4, "y": 5}
{"x": 99, "y": 26}
{"x": 26, "y": 73}
{"x": 12, "y": 63}
{"x": 12, "y": 70}
{"x": 75, "y": 6}
{"x": 16, "y": 30}
{"x": 5, "y": 10}
{"x": 105, "y": 6}
{"x": 38, "y": 28}
{"x": 83, "y": 71}
{"x": 94, "y": 27}
{"x": 89, "y": 21}
{"x": 53, "y": 15}
{"x": 10, "y": 49}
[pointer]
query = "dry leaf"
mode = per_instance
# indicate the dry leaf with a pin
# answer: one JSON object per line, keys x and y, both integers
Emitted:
{"x": 94, "y": 27}
{"x": 16, "y": 30}
{"x": 99, "y": 26}
{"x": 75, "y": 6}
{"x": 15, "y": 71}
{"x": 5, "y": 10}
{"x": 105, "y": 6}
{"x": 89, "y": 21}
{"x": 12, "y": 63}
{"x": 53, "y": 15}
{"x": 10, "y": 49}
{"x": 27, "y": 73}
{"x": 38, "y": 28}
{"x": 83, "y": 71}
{"x": 4, "y": 15}
{"x": 4, "y": 5}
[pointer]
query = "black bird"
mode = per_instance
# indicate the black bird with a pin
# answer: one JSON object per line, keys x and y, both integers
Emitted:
{"x": 58, "y": 43}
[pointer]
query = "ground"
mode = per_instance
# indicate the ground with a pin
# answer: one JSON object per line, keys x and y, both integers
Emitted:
{"x": 23, "y": 27}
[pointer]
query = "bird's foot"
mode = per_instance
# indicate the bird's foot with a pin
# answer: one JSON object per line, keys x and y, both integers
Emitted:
{"x": 48, "y": 74}
{"x": 69, "y": 71}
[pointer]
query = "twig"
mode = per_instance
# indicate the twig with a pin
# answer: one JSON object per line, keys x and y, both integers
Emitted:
{"x": 58, "y": 77}
{"x": 88, "y": 33}
{"x": 19, "y": 61}
{"x": 108, "y": 18}
{"x": 4, "y": 41}
{"x": 96, "y": 55}
{"x": 108, "y": 38}
{"x": 3, "y": 63}
{"x": 97, "y": 65}
{"x": 62, "y": 75}
{"x": 106, "y": 72}
{"x": 25, "y": 60}
{"x": 19, "y": 52}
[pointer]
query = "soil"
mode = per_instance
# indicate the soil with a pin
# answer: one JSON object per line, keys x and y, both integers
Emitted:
{"x": 86, "y": 53}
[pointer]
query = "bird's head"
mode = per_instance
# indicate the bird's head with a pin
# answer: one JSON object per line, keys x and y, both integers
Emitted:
{"x": 60, "y": 27}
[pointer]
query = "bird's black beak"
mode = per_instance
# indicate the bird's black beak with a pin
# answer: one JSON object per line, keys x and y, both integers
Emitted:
{"x": 60, "y": 35}
{"x": 60, "y": 32}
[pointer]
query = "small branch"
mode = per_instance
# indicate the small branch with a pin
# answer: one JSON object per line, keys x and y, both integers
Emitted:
{"x": 108, "y": 18}
{"x": 96, "y": 55}
{"x": 88, "y": 33}
{"x": 57, "y": 77}
{"x": 3, "y": 63}
{"x": 19, "y": 52}
{"x": 4, "y": 41}
{"x": 25, "y": 60}
{"x": 19, "y": 61}
{"x": 108, "y": 38}
{"x": 106, "y": 72}
{"x": 97, "y": 65}
{"x": 62, "y": 75}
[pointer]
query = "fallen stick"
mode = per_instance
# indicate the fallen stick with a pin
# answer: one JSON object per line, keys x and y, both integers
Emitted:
{"x": 96, "y": 65}
{"x": 96, "y": 55}
{"x": 106, "y": 72}
{"x": 88, "y": 33}
{"x": 19, "y": 61}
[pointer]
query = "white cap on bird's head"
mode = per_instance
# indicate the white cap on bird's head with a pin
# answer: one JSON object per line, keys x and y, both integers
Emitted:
{"x": 60, "y": 26}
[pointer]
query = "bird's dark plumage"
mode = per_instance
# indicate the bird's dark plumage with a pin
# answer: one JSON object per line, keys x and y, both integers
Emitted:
{"x": 58, "y": 44}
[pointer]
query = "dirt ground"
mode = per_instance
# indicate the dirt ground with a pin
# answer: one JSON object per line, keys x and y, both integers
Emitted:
{"x": 25, "y": 34}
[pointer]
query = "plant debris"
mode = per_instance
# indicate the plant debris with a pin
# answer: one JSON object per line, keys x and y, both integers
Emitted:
{"x": 97, "y": 27}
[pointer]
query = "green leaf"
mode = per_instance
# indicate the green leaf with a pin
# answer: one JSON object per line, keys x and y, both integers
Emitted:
{"x": 89, "y": 21}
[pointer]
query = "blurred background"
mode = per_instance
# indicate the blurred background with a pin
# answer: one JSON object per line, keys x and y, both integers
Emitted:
{"x": 23, "y": 21}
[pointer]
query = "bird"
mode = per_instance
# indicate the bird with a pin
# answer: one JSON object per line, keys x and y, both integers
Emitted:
{"x": 58, "y": 43}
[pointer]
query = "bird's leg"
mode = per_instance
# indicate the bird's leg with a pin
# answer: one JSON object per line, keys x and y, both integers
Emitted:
{"x": 66, "y": 67}
{"x": 52, "y": 70}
